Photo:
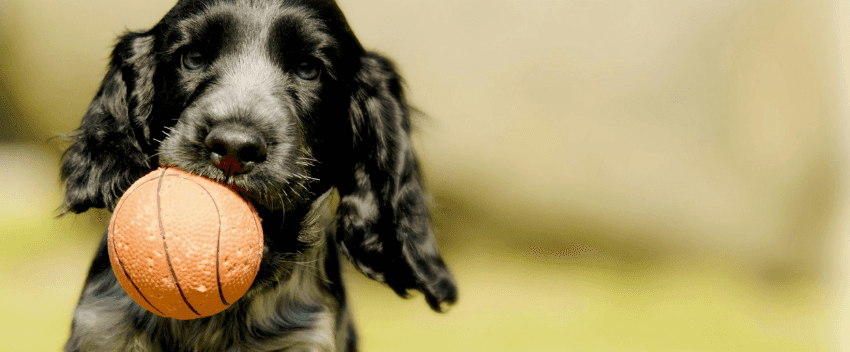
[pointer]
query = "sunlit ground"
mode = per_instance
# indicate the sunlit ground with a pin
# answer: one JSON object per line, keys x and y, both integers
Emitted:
{"x": 607, "y": 175}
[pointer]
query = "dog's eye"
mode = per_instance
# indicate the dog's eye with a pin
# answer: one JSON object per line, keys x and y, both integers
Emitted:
{"x": 194, "y": 61}
{"x": 308, "y": 70}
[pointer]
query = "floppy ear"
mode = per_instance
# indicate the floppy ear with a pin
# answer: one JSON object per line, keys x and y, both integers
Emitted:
{"x": 110, "y": 149}
{"x": 383, "y": 218}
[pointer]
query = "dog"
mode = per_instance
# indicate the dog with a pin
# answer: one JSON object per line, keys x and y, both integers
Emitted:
{"x": 279, "y": 100}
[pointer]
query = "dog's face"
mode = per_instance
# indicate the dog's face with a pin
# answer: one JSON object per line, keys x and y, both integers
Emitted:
{"x": 246, "y": 93}
{"x": 279, "y": 99}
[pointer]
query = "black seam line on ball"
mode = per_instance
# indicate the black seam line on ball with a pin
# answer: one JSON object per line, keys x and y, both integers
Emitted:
{"x": 165, "y": 245}
{"x": 118, "y": 257}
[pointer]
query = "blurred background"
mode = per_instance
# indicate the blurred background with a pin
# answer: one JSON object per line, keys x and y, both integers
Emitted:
{"x": 609, "y": 175}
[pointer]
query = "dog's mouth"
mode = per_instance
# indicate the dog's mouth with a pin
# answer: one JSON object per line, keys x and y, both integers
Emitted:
{"x": 278, "y": 182}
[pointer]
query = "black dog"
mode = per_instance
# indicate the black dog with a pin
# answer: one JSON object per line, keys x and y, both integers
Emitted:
{"x": 279, "y": 99}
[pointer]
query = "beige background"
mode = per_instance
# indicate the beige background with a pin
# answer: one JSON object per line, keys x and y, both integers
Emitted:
{"x": 698, "y": 148}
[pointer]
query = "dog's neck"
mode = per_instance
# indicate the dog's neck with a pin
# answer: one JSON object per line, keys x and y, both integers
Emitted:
{"x": 309, "y": 292}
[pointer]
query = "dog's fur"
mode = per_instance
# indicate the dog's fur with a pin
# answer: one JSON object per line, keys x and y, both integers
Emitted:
{"x": 330, "y": 131}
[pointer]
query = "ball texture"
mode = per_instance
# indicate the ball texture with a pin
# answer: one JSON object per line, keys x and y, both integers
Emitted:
{"x": 184, "y": 246}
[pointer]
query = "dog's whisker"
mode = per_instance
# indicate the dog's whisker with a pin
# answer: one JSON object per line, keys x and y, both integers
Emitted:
{"x": 150, "y": 157}
{"x": 306, "y": 161}
{"x": 304, "y": 177}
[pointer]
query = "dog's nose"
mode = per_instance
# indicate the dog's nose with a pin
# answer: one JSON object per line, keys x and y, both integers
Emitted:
{"x": 235, "y": 149}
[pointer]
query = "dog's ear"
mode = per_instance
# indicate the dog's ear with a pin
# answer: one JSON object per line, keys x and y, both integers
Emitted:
{"x": 383, "y": 223}
{"x": 110, "y": 149}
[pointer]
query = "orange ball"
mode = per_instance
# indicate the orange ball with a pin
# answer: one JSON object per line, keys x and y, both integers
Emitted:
{"x": 184, "y": 246}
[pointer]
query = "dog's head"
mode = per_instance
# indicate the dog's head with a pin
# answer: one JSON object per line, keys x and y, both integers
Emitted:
{"x": 279, "y": 99}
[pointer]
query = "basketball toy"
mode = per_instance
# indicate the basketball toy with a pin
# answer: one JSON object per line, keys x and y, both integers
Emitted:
{"x": 184, "y": 246}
